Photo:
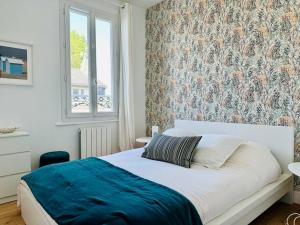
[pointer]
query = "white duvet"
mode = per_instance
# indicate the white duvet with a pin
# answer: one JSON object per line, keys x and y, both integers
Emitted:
{"x": 211, "y": 191}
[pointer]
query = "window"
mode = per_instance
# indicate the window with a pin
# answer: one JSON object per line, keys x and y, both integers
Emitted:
{"x": 79, "y": 60}
{"x": 103, "y": 56}
{"x": 91, "y": 61}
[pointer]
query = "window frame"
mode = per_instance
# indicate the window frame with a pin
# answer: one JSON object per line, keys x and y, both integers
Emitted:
{"x": 66, "y": 87}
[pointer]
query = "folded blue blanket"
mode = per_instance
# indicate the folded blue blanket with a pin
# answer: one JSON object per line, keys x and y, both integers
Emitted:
{"x": 95, "y": 192}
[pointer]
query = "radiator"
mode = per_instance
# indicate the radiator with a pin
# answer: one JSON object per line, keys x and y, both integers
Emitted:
{"x": 95, "y": 141}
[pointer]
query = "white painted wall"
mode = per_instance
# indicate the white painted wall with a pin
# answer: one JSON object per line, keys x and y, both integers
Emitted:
{"x": 139, "y": 55}
{"x": 38, "y": 108}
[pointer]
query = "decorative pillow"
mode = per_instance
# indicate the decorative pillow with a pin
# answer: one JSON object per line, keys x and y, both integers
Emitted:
{"x": 214, "y": 149}
{"x": 175, "y": 150}
{"x": 176, "y": 132}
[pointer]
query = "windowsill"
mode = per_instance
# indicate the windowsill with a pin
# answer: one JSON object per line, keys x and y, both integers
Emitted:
{"x": 15, "y": 134}
{"x": 59, "y": 124}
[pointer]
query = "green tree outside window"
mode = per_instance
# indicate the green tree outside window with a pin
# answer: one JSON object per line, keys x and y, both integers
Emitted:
{"x": 78, "y": 49}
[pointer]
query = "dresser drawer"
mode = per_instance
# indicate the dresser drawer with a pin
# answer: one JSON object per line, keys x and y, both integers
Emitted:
{"x": 15, "y": 163}
{"x": 9, "y": 185}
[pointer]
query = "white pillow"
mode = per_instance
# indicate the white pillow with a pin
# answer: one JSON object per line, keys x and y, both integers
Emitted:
{"x": 176, "y": 132}
{"x": 213, "y": 150}
{"x": 259, "y": 159}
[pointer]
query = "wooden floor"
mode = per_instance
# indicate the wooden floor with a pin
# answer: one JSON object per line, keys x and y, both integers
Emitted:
{"x": 276, "y": 215}
{"x": 10, "y": 214}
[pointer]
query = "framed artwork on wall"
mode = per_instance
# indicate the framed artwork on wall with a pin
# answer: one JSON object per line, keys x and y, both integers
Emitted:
{"x": 15, "y": 63}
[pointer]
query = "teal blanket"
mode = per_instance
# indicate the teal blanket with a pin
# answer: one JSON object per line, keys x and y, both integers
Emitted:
{"x": 94, "y": 192}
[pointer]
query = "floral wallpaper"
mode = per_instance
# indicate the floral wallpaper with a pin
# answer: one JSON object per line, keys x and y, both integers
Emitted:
{"x": 224, "y": 60}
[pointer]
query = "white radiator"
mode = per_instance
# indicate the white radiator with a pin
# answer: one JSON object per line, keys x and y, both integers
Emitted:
{"x": 95, "y": 141}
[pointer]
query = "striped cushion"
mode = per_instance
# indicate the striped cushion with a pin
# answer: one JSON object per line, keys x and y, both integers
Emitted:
{"x": 175, "y": 150}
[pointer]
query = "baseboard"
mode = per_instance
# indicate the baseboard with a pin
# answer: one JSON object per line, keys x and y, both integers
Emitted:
{"x": 8, "y": 199}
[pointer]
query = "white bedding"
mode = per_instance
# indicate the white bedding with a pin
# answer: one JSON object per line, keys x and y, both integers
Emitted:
{"x": 211, "y": 191}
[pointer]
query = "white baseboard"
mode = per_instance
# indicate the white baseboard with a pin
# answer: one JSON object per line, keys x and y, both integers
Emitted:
{"x": 8, "y": 199}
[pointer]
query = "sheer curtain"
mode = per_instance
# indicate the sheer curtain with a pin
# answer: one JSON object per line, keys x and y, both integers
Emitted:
{"x": 126, "y": 107}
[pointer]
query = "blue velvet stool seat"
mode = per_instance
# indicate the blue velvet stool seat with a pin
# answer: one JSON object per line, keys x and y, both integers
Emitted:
{"x": 54, "y": 157}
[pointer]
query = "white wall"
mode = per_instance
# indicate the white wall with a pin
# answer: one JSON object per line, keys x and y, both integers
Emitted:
{"x": 139, "y": 55}
{"x": 38, "y": 108}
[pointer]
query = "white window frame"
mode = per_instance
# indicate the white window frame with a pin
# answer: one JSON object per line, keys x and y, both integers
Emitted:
{"x": 66, "y": 93}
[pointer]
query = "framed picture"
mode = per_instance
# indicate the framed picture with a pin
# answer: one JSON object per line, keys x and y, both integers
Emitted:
{"x": 15, "y": 63}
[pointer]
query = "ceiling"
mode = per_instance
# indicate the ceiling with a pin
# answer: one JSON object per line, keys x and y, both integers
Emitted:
{"x": 144, "y": 3}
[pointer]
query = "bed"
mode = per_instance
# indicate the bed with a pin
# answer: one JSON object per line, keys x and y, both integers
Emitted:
{"x": 229, "y": 196}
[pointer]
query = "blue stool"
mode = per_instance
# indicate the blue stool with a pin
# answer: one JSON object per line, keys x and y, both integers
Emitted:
{"x": 54, "y": 157}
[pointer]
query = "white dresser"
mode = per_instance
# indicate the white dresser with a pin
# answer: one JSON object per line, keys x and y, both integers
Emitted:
{"x": 15, "y": 162}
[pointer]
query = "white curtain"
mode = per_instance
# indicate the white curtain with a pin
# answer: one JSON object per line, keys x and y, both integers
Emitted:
{"x": 126, "y": 107}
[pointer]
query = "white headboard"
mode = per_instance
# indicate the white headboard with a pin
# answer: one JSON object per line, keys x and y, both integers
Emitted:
{"x": 279, "y": 139}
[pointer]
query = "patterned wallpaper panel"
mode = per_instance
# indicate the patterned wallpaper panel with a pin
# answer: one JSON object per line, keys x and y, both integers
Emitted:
{"x": 223, "y": 60}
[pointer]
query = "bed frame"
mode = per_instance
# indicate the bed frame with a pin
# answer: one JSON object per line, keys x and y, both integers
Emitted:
{"x": 279, "y": 139}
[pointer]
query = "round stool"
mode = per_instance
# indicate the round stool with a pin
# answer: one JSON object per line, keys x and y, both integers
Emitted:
{"x": 54, "y": 157}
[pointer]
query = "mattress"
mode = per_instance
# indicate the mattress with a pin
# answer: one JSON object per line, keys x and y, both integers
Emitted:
{"x": 211, "y": 191}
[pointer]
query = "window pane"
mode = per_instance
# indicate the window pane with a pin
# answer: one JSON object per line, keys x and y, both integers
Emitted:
{"x": 104, "y": 66}
{"x": 79, "y": 62}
